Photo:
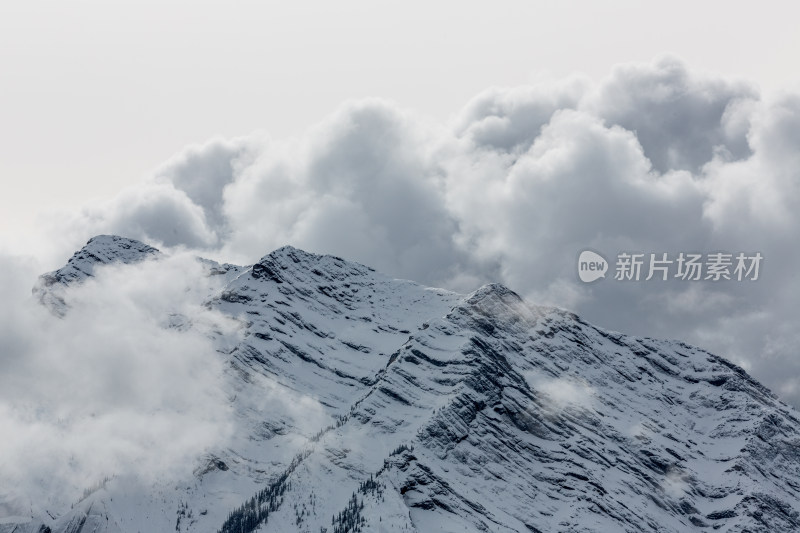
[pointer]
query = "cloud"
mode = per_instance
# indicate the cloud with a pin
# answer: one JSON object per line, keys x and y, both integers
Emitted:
{"x": 681, "y": 119}
{"x": 364, "y": 184}
{"x": 655, "y": 158}
{"x": 203, "y": 171}
{"x": 156, "y": 213}
{"x": 109, "y": 389}
{"x": 509, "y": 119}
{"x": 562, "y": 393}
{"x": 580, "y": 184}
{"x": 676, "y": 484}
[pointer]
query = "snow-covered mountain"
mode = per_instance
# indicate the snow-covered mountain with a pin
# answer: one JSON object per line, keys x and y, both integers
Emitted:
{"x": 365, "y": 403}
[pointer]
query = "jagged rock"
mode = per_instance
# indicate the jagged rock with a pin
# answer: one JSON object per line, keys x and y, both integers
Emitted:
{"x": 431, "y": 411}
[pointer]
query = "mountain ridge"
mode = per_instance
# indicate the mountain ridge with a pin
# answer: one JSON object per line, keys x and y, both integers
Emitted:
{"x": 444, "y": 412}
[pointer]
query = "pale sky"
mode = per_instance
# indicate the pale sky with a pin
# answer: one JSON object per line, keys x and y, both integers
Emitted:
{"x": 95, "y": 94}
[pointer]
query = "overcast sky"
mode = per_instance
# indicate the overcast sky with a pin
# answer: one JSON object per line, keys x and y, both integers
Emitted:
{"x": 442, "y": 142}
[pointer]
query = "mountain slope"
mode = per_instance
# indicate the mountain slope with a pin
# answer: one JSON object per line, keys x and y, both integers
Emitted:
{"x": 365, "y": 403}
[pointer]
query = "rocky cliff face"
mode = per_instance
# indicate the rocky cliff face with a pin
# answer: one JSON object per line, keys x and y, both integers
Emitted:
{"x": 366, "y": 403}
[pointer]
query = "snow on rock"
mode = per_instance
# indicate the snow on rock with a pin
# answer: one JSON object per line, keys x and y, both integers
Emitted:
{"x": 365, "y": 403}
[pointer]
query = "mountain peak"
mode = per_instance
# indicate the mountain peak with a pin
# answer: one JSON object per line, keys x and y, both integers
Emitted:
{"x": 114, "y": 240}
{"x": 493, "y": 290}
{"x": 294, "y": 263}
{"x": 288, "y": 249}
{"x": 102, "y": 250}
{"x": 99, "y": 250}
{"x": 297, "y": 255}
{"x": 498, "y": 301}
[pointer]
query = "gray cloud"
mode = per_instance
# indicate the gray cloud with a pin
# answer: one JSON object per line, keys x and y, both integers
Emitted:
{"x": 580, "y": 184}
{"x": 680, "y": 119}
{"x": 157, "y": 213}
{"x": 511, "y": 118}
{"x": 203, "y": 172}
{"x": 656, "y": 158}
